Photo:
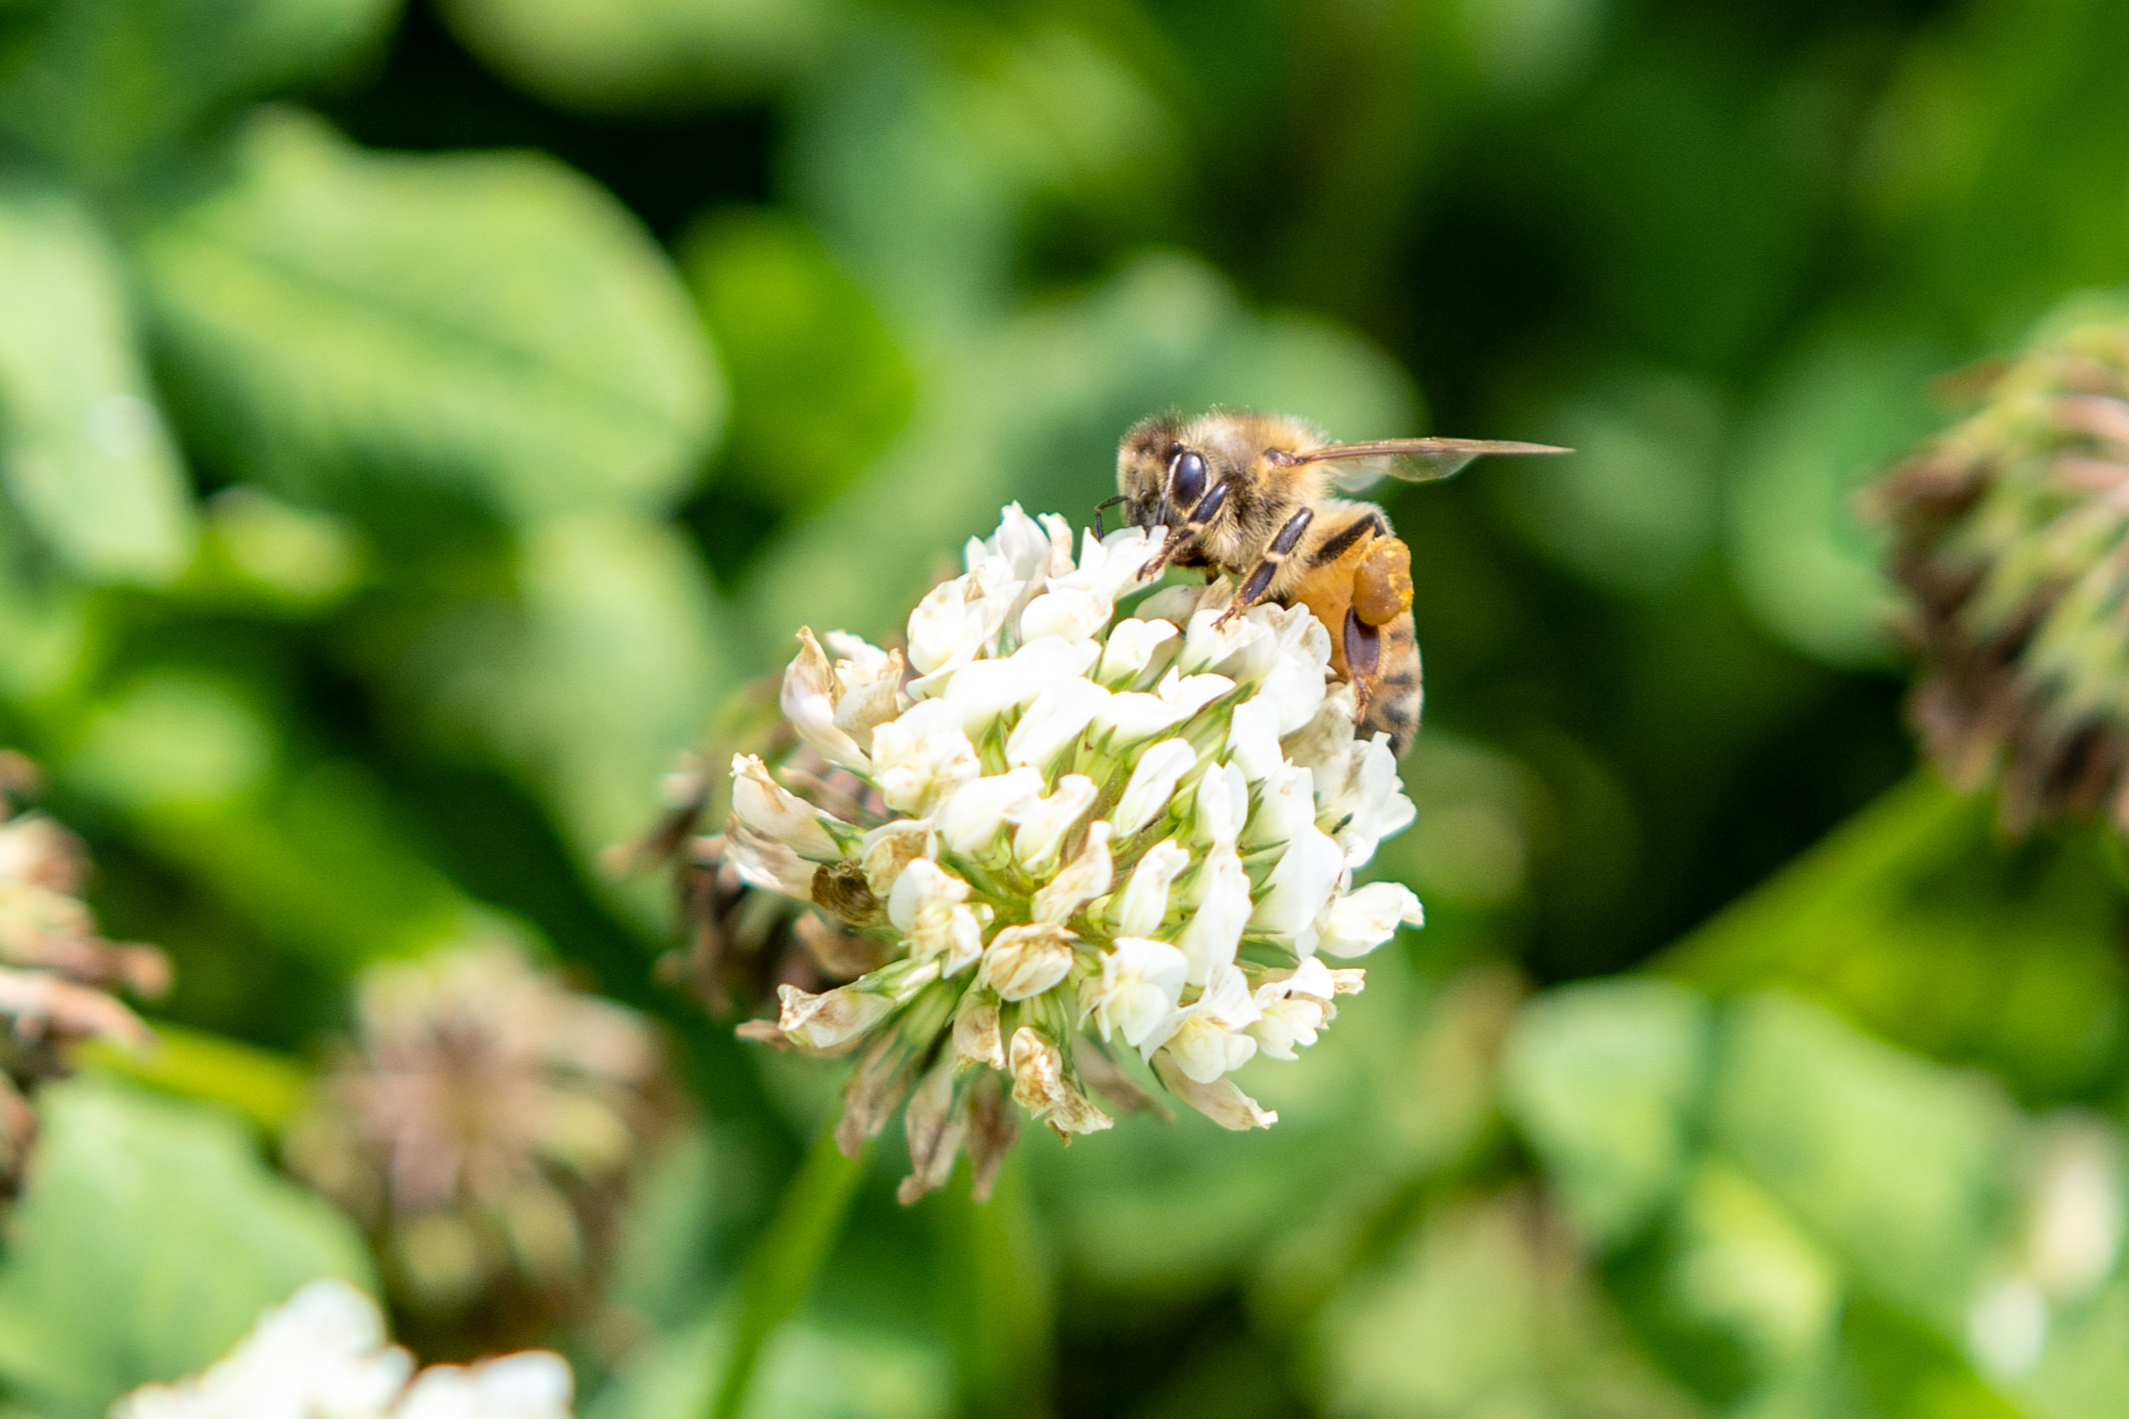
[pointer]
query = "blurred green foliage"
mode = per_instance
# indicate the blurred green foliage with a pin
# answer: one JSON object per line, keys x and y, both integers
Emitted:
{"x": 414, "y": 425}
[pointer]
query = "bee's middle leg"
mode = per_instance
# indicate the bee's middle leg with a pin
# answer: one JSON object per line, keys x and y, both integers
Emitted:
{"x": 1260, "y": 576}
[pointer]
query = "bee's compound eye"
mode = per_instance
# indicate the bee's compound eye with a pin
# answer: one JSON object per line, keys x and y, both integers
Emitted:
{"x": 1187, "y": 484}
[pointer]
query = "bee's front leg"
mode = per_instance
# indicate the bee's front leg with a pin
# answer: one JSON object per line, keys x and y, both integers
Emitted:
{"x": 1199, "y": 518}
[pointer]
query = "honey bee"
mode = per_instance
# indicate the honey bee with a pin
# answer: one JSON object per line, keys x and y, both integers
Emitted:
{"x": 1252, "y": 495}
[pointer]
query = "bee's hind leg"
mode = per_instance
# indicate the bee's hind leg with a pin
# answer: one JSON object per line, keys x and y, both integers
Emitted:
{"x": 1260, "y": 576}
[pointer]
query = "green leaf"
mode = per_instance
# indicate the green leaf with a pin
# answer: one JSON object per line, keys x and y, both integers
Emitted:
{"x": 1918, "y": 921}
{"x": 1805, "y": 561}
{"x": 485, "y": 328}
{"x": 263, "y": 1087}
{"x": 150, "y": 1239}
{"x": 86, "y": 456}
{"x": 97, "y": 86}
{"x": 631, "y": 55}
{"x": 605, "y": 666}
{"x": 818, "y": 384}
{"x": 1900, "y": 1167}
{"x": 1605, "y": 1080}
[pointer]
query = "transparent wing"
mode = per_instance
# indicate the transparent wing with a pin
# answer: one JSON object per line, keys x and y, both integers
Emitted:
{"x": 1353, "y": 467}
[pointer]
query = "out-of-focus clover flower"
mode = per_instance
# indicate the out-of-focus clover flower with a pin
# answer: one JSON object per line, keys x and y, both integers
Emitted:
{"x": 484, "y": 1125}
{"x": 1070, "y": 834}
{"x": 2011, "y": 532}
{"x": 324, "y": 1355}
{"x": 57, "y": 976}
{"x": 739, "y": 942}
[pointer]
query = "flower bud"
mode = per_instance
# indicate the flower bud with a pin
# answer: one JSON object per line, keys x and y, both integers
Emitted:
{"x": 2009, "y": 532}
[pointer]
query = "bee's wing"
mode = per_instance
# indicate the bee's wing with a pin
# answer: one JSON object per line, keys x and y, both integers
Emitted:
{"x": 1356, "y": 466}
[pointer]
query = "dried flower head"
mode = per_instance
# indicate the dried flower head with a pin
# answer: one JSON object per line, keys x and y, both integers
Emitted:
{"x": 739, "y": 943}
{"x": 57, "y": 976}
{"x": 483, "y": 1126}
{"x": 1077, "y": 833}
{"x": 324, "y": 1353}
{"x": 2011, "y": 532}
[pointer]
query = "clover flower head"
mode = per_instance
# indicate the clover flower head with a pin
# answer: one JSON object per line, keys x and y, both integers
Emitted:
{"x": 59, "y": 979}
{"x": 2011, "y": 536}
{"x": 1098, "y": 831}
{"x": 484, "y": 1125}
{"x": 324, "y": 1355}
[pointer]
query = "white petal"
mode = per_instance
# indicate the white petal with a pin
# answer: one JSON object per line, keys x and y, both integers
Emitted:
{"x": 1083, "y": 879}
{"x": 1152, "y": 787}
{"x": 1253, "y": 738}
{"x": 891, "y": 847}
{"x": 1136, "y": 715}
{"x": 1299, "y": 888}
{"x": 1024, "y": 961}
{"x": 1361, "y": 920}
{"x": 1285, "y": 806}
{"x": 1375, "y": 806}
{"x": 1055, "y": 722}
{"x": 1070, "y": 614}
{"x": 1210, "y": 937}
{"x": 1141, "y": 982}
{"x": 768, "y": 864}
{"x": 1221, "y": 1101}
{"x": 1144, "y": 903}
{"x": 985, "y": 689}
{"x": 772, "y": 811}
{"x": 1222, "y": 806}
{"x": 808, "y": 701}
{"x": 971, "y": 821}
{"x": 1042, "y": 826}
{"x": 1131, "y": 648}
{"x": 957, "y": 619}
{"x": 922, "y": 757}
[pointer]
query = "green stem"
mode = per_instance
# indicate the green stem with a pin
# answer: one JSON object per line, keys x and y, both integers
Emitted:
{"x": 785, "y": 1261}
{"x": 997, "y": 1293}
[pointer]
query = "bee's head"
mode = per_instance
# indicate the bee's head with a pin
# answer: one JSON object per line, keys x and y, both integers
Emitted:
{"x": 1159, "y": 476}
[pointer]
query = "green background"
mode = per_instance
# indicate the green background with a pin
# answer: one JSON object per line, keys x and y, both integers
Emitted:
{"x": 414, "y": 424}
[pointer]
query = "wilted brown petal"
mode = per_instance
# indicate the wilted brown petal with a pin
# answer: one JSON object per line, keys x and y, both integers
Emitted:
{"x": 934, "y": 1121}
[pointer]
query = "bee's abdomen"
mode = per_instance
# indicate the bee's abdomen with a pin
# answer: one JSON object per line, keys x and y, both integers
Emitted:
{"x": 1395, "y": 689}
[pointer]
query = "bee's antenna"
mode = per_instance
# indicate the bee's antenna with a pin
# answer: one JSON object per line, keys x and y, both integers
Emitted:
{"x": 1099, "y": 534}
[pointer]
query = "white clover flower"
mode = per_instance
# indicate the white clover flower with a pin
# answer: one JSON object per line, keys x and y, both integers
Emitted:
{"x": 921, "y": 758}
{"x": 1361, "y": 920}
{"x": 1138, "y": 829}
{"x": 323, "y": 1354}
{"x": 1144, "y": 903}
{"x": 1139, "y": 992}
